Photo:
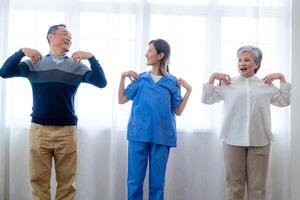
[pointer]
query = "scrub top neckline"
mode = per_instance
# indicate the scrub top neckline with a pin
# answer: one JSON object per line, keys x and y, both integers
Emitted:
{"x": 152, "y": 81}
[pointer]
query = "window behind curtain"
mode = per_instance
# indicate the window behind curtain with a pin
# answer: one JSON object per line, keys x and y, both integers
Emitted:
{"x": 204, "y": 36}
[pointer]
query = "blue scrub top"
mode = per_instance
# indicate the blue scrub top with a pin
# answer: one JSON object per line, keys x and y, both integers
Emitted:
{"x": 152, "y": 117}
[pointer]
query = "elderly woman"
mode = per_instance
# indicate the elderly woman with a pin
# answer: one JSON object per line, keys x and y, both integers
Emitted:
{"x": 246, "y": 129}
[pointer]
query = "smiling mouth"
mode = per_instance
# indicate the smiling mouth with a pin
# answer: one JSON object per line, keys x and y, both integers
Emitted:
{"x": 243, "y": 68}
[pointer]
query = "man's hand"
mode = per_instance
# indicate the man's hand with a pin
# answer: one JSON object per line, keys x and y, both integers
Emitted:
{"x": 80, "y": 55}
{"x": 33, "y": 54}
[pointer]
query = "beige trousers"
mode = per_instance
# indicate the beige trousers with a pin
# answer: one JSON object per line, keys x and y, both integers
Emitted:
{"x": 246, "y": 165}
{"x": 45, "y": 143}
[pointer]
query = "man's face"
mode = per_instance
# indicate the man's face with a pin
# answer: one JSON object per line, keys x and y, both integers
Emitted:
{"x": 61, "y": 39}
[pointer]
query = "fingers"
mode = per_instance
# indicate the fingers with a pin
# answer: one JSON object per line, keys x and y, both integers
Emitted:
{"x": 35, "y": 56}
{"x": 272, "y": 77}
{"x": 228, "y": 77}
{"x": 225, "y": 79}
{"x": 133, "y": 75}
{"x": 181, "y": 82}
{"x": 80, "y": 55}
{"x": 268, "y": 79}
{"x": 76, "y": 57}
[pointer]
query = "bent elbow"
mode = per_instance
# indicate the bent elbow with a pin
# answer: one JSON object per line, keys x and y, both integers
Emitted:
{"x": 287, "y": 103}
{"x": 102, "y": 84}
{"x": 178, "y": 113}
{"x": 4, "y": 75}
{"x": 205, "y": 101}
{"x": 122, "y": 101}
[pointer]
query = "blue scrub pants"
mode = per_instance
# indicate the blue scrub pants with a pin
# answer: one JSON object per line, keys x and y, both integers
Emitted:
{"x": 138, "y": 155}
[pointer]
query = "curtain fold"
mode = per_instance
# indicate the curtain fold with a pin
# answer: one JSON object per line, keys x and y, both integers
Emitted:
{"x": 4, "y": 153}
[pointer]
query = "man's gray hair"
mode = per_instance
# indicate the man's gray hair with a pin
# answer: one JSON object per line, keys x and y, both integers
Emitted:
{"x": 256, "y": 54}
{"x": 53, "y": 29}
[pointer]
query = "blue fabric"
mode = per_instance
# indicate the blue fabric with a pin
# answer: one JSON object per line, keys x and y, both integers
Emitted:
{"x": 138, "y": 155}
{"x": 54, "y": 85}
{"x": 152, "y": 117}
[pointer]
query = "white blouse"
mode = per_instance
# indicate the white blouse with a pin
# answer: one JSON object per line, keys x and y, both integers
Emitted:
{"x": 247, "y": 118}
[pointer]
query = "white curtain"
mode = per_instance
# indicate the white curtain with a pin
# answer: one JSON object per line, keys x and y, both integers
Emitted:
{"x": 204, "y": 36}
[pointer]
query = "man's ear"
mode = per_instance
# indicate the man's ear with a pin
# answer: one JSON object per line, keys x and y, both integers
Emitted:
{"x": 49, "y": 37}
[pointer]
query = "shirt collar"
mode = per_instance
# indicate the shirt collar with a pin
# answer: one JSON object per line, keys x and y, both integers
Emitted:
{"x": 57, "y": 58}
{"x": 252, "y": 78}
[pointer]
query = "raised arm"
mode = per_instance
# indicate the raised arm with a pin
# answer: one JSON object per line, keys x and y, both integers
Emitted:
{"x": 181, "y": 82}
{"x": 96, "y": 76}
{"x": 132, "y": 76}
{"x": 13, "y": 67}
{"x": 212, "y": 94}
{"x": 282, "y": 96}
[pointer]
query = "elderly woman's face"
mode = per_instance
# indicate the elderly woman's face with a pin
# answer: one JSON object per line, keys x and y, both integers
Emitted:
{"x": 246, "y": 64}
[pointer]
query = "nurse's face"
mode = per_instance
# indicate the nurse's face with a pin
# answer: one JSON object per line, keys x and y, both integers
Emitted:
{"x": 153, "y": 58}
{"x": 246, "y": 64}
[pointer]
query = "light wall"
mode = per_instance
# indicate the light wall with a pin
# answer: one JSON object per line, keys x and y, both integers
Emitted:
{"x": 295, "y": 107}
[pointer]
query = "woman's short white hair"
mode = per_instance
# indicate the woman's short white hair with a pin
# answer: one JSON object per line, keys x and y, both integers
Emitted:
{"x": 255, "y": 52}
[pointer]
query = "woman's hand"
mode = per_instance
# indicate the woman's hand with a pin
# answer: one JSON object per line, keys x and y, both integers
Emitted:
{"x": 188, "y": 87}
{"x": 132, "y": 75}
{"x": 221, "y": 77}
{"x": 272, "y": 77}
{"x": 183, "y": 83}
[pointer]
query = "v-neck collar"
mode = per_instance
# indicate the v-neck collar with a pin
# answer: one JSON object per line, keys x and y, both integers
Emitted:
{"x": 62, "y": 58}
{"x": 152, "y": 81}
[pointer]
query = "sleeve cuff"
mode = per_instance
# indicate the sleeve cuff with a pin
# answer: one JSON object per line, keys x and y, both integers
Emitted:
{"x": 285, "y": 86}
{"x": 20, "y": 53}
{"x": 92, "y": 60}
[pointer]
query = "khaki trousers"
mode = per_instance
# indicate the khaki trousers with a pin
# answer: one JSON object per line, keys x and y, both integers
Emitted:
{"x": 246, "y": 165}
{"x": 45, "y": 143}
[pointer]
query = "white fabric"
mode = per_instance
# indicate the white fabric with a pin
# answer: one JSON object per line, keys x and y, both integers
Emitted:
{"x": 204, "y": 36}
{"x": 155, "y": 78}
{"x": 247, "y": 115}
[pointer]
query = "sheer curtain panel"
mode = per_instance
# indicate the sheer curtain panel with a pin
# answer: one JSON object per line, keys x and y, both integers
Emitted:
{"x": 204, "y": 36}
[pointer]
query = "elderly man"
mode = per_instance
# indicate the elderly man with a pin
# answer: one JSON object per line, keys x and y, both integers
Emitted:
{"x": 54, "y": 79}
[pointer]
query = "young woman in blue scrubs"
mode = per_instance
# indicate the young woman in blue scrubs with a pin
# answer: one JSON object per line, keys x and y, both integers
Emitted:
{"x": 151, "y": 128}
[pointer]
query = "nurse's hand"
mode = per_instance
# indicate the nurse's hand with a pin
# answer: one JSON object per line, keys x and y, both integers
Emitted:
{"x": 272, "y": 77}
{"x": 132, "y": 75}
{"x": 183, "y": 83}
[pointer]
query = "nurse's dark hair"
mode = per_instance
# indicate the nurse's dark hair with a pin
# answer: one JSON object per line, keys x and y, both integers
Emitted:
{"x": 256, "y": 54}
{"x": 162, "y": 46}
